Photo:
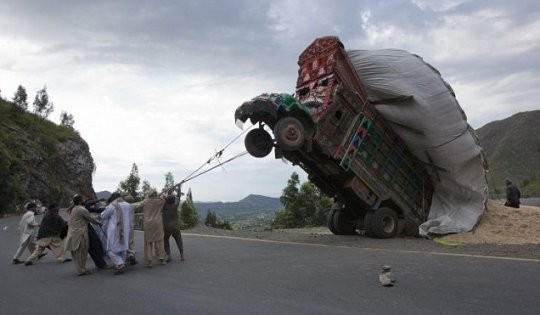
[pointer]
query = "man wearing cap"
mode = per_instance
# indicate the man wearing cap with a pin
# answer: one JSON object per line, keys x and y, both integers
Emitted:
{"x": 48, "y": 236}
{"x": 117, "y": 220}
{"x": 26, "y": 226}
{"x": 77, "y": 236}
{"x": 153, "y": 228}
{"x": 512, "y": 194}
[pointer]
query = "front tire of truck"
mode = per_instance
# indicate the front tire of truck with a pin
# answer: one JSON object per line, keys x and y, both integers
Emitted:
{"x": 290, "y": 133}
{"x": 258, "y": 143}
{"x": 384, "y": 223}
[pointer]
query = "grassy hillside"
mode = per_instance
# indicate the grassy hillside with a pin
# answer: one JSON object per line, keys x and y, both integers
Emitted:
{"x": 512, "y": 149}
{"x": 33, "y": 157}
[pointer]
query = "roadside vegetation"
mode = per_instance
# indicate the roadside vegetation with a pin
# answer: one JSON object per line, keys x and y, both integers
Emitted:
{"x": 24, "y": 134}
{"x": 305, "y": 205}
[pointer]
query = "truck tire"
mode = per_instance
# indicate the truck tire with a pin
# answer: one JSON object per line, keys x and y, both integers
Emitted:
{"x": 384, "y": 223}
{"x": 342, "y": 225}
{"x": 290, "y": 133}
{"x": 258, "y": 143}
{"x": 330, "y": 221}
{"x": 367, "y": 223}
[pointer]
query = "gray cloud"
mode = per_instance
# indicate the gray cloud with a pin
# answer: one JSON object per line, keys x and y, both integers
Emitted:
{"x": 114, "y": 51}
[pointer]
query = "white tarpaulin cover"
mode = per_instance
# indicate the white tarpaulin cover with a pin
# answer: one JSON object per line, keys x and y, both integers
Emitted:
{"x": 424, "y": 112}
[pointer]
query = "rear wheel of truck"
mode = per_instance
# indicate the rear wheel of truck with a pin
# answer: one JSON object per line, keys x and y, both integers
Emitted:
{"x": 330, "y": 221}
{"x": 342, "y": 223}
{"x": 368, "y": 230}
{"x": 290, "y": 133}
{"x": 258, "y": 143}
{"x": 384, "y": 223}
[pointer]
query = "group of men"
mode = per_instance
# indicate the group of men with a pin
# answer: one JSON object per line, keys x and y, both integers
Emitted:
{"x": 48, "y": 236}
{"x": 103, "y": 232}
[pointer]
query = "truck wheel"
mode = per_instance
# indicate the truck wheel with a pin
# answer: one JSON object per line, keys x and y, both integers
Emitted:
{"x": 342, "y": 225}
{"x": 258, "y": 143}
{"x": 290, "y": 133}
{"x": 384, "y": 223}
{"x": 367, "y": 223}
{"x": 330, "y": 221}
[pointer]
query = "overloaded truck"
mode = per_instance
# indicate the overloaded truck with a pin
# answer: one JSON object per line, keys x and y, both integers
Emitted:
{"x": 349, "y": 151}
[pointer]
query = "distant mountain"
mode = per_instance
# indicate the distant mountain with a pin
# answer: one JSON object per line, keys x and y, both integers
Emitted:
{"x": 254, "y": 212}
{"x": 512, "y": 150}
{"x": 103, "y": 194}
{"x": 251, "y": 204}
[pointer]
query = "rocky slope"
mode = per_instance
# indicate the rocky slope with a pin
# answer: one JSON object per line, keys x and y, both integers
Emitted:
{"x": 40, "y": 160}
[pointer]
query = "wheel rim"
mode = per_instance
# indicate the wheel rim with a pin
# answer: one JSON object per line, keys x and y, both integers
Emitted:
{"x": 389, "y": 224}
{"x": 289, "y": 133}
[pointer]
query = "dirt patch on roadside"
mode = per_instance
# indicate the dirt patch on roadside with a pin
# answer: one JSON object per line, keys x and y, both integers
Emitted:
{"x": 503, "y": 225}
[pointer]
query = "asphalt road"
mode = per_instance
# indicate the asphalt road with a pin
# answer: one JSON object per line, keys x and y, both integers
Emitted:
{"x": 238, "y": 276}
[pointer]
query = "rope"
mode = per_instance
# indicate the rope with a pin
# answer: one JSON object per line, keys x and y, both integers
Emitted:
{"x": 217, "y": 155}
{"x": 215, "y": 166}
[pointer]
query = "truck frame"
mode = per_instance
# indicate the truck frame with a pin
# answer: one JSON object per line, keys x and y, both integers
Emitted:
{"x": 349, "y": 151}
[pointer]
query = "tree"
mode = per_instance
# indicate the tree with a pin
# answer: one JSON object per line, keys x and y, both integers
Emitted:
{"x": 223, "y": 224}
{"x": 289, "y": 217}
{"x": 290, "y": 192}
{"x": 188, "y": 214}
{"x": 145, "y": 188}
{"x": 20, "y": 98}
{"x": 169, "y": 181}
{"x": 66, "y": 119}
{"x": 42, "y": 106}
{"x": 131, "y": 184}
{"x": 210, "y": 219}
{"x": 314, "y": 205}
{"x": 304, "y": 206}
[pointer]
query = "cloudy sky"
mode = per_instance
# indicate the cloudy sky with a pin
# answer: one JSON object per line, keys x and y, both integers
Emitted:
{"x": 156, "y": 83}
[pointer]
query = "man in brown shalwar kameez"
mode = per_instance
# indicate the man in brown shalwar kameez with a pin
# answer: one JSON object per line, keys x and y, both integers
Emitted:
{"x": 77, "y": 236}
{"x": 153, "y": 228}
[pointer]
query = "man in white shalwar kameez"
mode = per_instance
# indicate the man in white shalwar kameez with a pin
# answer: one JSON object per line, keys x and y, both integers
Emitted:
{"x": 28, "y": 237}
{"x": 117, "y": 220}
